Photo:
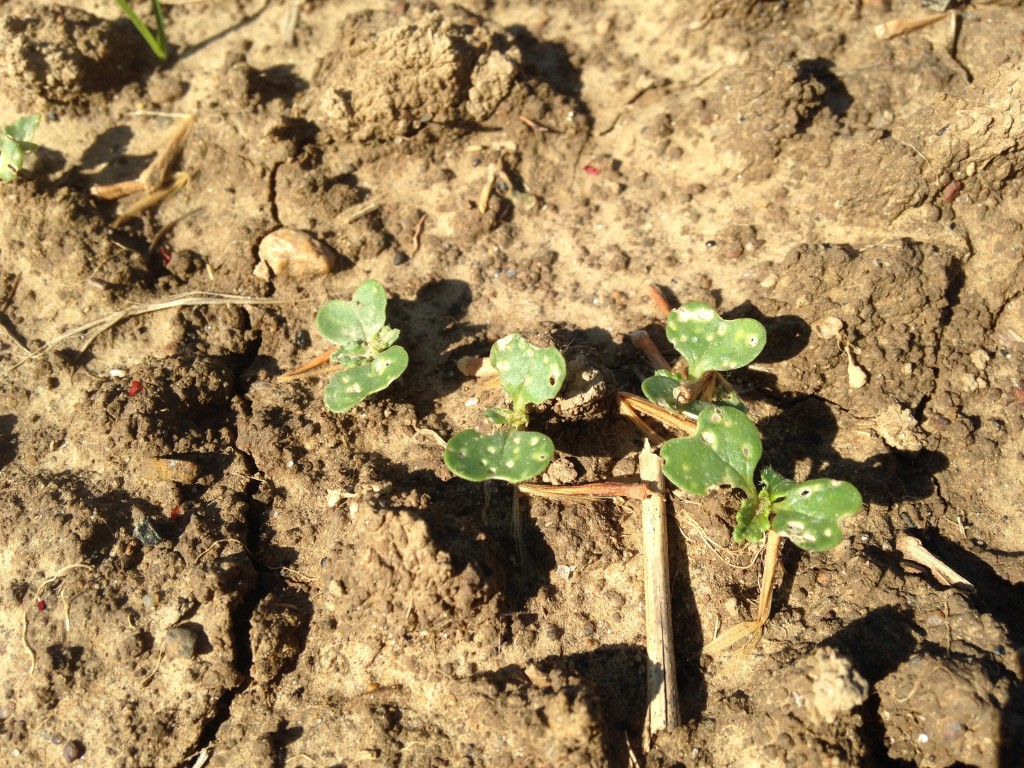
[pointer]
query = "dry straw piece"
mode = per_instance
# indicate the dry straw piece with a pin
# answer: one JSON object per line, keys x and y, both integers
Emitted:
{"x": 897, "y": 27}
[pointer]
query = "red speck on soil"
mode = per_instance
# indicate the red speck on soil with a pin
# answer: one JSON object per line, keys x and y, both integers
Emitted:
{"x": 591, "y": 170}
{"x": 134, "y": 388}
{"x": 41, "y": 605}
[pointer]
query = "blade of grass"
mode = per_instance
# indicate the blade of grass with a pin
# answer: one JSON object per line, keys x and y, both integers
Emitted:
{"x": 157, "y": 44}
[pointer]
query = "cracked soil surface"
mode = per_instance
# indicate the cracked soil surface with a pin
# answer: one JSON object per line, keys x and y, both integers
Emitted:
{"x": 202, "y": 565}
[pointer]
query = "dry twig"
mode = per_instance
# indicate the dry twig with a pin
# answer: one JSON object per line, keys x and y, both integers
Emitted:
{"x": 662, "y": 688}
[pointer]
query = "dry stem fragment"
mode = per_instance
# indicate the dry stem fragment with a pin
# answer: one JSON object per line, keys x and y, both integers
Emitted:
{"x": 662, "y": 688}
{"x": 913, "y": 550}
{"x": 734, "y": 634}
{"x": 896, "y": 27}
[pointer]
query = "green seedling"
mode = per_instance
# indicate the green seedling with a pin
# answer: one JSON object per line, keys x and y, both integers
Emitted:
{"x": 530, "y": 376}
{"x": 366, "y": 346}
{"x": 725, "y": 451}
{"x": 15, "y": 142}
{"x": 156, "y": 42}
{"x": 708, "y": 345}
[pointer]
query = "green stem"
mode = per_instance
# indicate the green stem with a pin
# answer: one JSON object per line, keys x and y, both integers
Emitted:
{"x": 157, "y": 44}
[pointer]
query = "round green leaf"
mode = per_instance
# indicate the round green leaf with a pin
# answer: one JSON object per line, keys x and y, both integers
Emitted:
{"x": 348, "y": 323}
{"x": 528, "y": 374}
{"x": 508, "y": 455}
{"x": 351, "y": 387}
{"x": 810, "y": 512}
{"x": 724, "y": 450}
{"x": 710, "y": 343}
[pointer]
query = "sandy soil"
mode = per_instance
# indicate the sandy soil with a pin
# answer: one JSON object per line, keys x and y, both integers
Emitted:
{"x": 201, "y": 565}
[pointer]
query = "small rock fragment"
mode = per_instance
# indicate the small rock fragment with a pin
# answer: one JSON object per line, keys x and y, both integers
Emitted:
{"x": 292, "y": 253}
{"x": 73, "y": 750}
{"x": 181, "y": 642}
{"x": 827, "y": 327}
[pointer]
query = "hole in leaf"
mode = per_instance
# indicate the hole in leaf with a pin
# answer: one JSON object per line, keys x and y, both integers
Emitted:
{"x": 708, "y": 437}
{"x": 753, "y": 341}
{"x": 745, "y": 450}
{"x": 804, "y": 493}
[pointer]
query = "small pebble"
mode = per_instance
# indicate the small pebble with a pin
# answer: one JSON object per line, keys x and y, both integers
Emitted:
{"x": 181, "y": 642}
{"x": 293, "y": 253}
{"x": 73, "y": 751}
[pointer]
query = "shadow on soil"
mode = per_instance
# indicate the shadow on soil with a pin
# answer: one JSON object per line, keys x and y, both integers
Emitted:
{"x": 877, "y": 644}
{"x": 1002, "y": 600}
{"x": 806, "y": 429}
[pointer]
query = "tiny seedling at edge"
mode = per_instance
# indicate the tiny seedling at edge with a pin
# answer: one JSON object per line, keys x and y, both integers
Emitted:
{"x": 15, "y": 143}
{"x": 366, "y": 346}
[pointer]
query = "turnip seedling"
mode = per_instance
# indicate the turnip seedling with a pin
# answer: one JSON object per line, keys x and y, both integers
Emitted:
{"x": 529, "y": 375}
{"x": 725, "y": 450}
{"x": 366, "y": 346}
{"x": 15, "y": 143}
{"x": 708, "y": 344}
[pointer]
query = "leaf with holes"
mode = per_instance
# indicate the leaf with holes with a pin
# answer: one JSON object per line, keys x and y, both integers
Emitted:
{"x": 509, "y": 455}
{"x": 357, "y": 326}
{"x": 528, "y": 374}
{"x": 709, "y": 343}
{"x": 350, "y": 387}
{"x": 809, "y": 512}
{"x": 724, "y": 450}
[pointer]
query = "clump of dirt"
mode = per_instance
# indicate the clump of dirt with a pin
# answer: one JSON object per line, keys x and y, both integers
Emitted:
{"x": 969, "y": 144}
{"x": 54, "y": 55}
{"x": 429, "y": 70}
{"x": 943, "y": 711}
{"x": 771, "y": 99}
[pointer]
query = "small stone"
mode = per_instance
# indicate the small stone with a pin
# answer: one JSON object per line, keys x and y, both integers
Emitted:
{"x": 73, "y": 751}
{"x": 293, "y": 253}
{"x": 980, "y": 359}
{"x": 181, "y": 642}
{"x": 827, "y": 327}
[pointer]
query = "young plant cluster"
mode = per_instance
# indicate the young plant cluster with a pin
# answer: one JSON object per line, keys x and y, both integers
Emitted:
{"x": 366, "y": 347}
{"x": 724, "y": 449}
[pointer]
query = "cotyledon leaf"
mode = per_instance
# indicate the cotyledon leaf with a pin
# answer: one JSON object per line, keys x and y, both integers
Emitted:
{"x": 352, "y": 386}
{"x": 660, "y": 389}
{"x": 352, "y": 322}
{"x": 528, "y": 374}
{"x": 724, "y": 450}
{"x": 809, "y": 513}
{"x": 509, "y": 455}
{"x": 710, "y": 343}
